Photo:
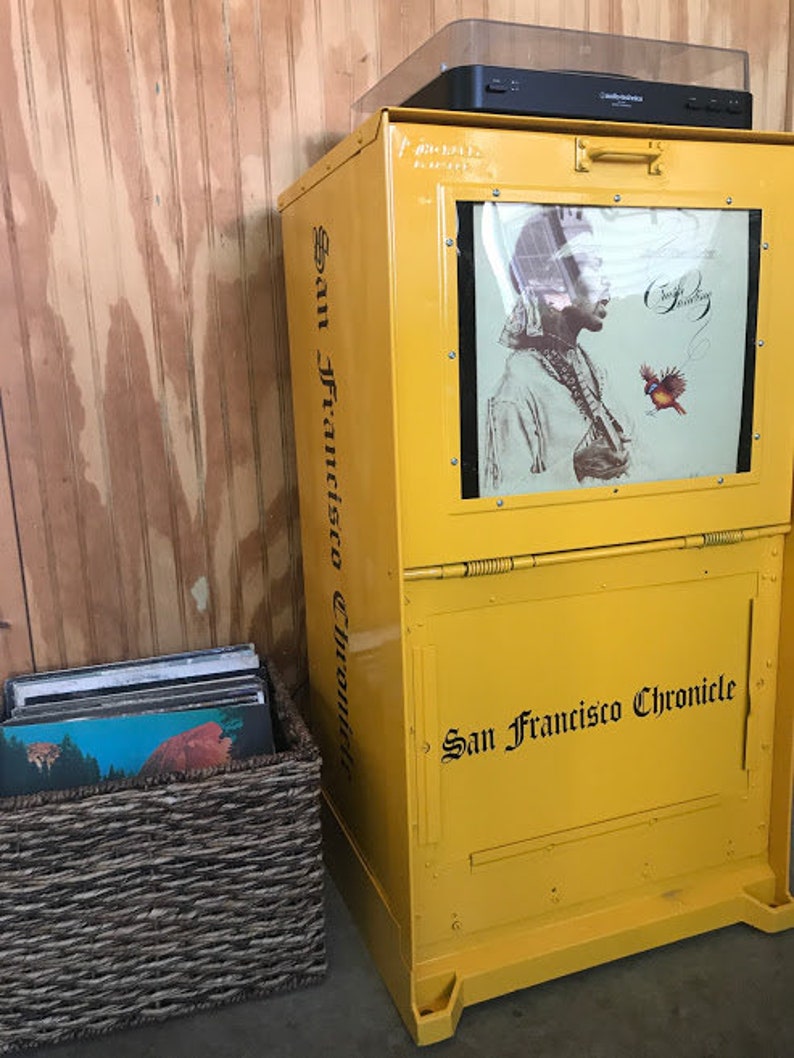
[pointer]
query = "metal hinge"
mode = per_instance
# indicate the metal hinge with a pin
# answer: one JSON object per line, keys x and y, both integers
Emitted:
{"x": 486, "y": 567}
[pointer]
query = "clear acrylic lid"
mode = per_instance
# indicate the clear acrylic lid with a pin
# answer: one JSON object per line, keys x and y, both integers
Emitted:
{"x": 482, "y": 42}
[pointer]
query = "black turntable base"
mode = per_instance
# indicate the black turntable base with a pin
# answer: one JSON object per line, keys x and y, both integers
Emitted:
{"x": 602, "y": 97}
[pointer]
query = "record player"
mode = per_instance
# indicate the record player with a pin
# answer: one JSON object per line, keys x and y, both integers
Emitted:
{"x": 502, "y": 68}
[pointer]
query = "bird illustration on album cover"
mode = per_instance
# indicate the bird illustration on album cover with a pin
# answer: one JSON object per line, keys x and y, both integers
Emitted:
{"x": 664, "y": 391}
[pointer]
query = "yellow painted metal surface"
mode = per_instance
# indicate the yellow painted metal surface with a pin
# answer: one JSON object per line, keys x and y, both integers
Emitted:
{"x": 536, "y": 167}
{"x": 613, "y": 753}
{"x": 551, "y": 727}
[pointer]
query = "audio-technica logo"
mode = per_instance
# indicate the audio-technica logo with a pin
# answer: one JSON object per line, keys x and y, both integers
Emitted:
{"x": 620, "y": 98}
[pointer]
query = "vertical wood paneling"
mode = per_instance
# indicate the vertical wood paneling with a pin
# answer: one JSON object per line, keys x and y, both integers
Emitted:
{"x": 20, "y": 200}
{"x": 769, "y": 68}
{"x": 123, "y": 444}
{"x": 285, "y": 566}
{"x": 391, "y": 34}
{"x": 500, "y": 10}
{"x": 36, "y": 140}
{"x": 336, "y": 48}
{"x": 600, "y": 16}
{"x": 471, "y": 9}
{"x": 417, "y": 23}
{"x": 279, "y": 126}
{"x": 445, "y": 11}
{"x": 365, "y": 51}
{"x": 267, "y": 546}
{"x": 306, "y": 84}
{"x": 84, "y": 309}
{"x": 150, "y": 312}
{"x": 15, "y": 646}
{"x": 145, "y": 377}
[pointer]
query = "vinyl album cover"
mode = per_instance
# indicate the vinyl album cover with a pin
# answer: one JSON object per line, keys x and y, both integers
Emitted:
{"x": 604, "y": 345}
{"x": 80, "y": 752}
{"x": 173, "y": 669}
{"x": 149, "y": 698}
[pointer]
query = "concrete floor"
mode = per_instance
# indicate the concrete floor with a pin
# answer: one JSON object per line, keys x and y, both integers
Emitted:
{"x": 728, "y": 994}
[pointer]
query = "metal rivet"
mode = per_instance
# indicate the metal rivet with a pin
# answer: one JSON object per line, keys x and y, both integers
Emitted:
{"x": 449, "y": 242}
{"x": 729, "y": 200}
{"x": 617, "y": 198}
{"x": 496, "y": 192}
{"x": 454, "y": 461}
{"x": 451, "y": 354}
{"x": 760, "y": 343}
{"x": 500, "y": 503}
{"x": 765, "y": 246}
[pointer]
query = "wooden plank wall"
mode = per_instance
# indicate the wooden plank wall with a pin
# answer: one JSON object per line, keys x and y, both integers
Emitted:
{"x": 144, "y": 370}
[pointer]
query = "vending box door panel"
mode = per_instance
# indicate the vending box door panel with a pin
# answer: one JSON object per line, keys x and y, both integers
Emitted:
{"x": 596, "y": 727}
{"x": 661, "y": 412}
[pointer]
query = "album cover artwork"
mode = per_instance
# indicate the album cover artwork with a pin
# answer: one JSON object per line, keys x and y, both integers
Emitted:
{"x": 604, "y": 345}
{"x": 80, "y": 752}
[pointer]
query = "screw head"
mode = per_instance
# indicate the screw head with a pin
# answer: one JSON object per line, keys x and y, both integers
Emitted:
{"x": 756, "y": 436}
{"x": 729, "y": 200}
{"x": 454, "y": 461}
{"x": 451, "y": 354}
{"x": 760, "y": 343}
{"x": 720, "y": 481}
{"x": 496, "y": 192}
{"x": 449, "y": 242}
{"x": 765, "y": 246}
{"x": 618, "y": 198}
{"x": 500, "y": 503}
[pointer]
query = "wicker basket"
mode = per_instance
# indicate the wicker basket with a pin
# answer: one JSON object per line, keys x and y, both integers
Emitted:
{"x": 130, "y": 902}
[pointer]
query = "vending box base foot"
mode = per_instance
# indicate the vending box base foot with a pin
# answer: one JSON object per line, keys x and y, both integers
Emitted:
{"x": 431, "y": 993}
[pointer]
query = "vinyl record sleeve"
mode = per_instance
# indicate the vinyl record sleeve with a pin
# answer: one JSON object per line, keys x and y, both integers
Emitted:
{"x": 122, "y": 675}
{"x": 81, "y": 751}
{"x": 604, "y": 345}
{"x": 198, "y": 694}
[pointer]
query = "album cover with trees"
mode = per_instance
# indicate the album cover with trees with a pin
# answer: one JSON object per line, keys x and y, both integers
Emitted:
{"x": 87, "y": 750}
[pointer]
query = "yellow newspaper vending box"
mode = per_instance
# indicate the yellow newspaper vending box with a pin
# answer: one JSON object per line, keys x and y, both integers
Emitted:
{"x": 542, "y": 376}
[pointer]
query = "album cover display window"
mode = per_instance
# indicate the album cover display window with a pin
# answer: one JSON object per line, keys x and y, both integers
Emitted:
{"x": 604, "y": 345}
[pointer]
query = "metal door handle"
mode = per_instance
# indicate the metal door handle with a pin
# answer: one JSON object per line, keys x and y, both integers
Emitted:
{"x": 603, "y": 150}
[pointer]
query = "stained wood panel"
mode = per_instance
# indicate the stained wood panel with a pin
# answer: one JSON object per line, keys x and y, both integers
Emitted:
{"x": 145, "y": 375}
{"x": 15, "y": 646}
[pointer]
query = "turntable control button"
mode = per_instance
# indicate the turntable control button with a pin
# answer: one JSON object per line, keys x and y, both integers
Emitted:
{"x": 713, "y": 105}
{"x": 497, "y": 86}
{"x": 693, "y": 103}
{"x": 733, "y": 106}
